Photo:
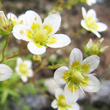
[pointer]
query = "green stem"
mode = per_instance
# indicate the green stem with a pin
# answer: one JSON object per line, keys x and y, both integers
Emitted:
{"x": 3, "y": 50}
{"x": 75, "y": 34}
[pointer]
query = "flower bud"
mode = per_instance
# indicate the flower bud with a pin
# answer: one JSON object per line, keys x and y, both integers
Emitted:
{"x": 94, "y": 48}
{"x": 37, "y": 58}
{"x": 5, "y": 24}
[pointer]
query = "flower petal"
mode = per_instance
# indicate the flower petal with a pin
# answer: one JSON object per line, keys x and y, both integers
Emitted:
{"x": 54, "y": 104}
{"x": 75, "y": 55}
{"x": 28, "y": 63}
{"x": 75, "y": 106}
{"x": 19, "y": 60}
{"x": 58, "y": 75}
{"x": 91, "y": 13}
{"x": 31, "y": 16}
{"x": 97, "y": 34}
{"x": 34, "y": 49}
{"x": 71, "y": 97}
{"x": 58, "y": 92}
{"x": 53, "y": 20}
{"x": 19, "y": 32}
{"x": 101, "y": 27}
{"x": 12, "y": 16}
{"x": 24, "y": 79}
{"x": 84, "y": 12}
{"x": 93, "y": 84}
{"x": 89, "y": 44}
{"x": 5, "y": 72}
{"x": 83, "y": 24}
{"x": 61, "y": 41}
{"x": 93, "y": 62}
{"x": 30, "y": 73}
{"x": 21, "y": 19}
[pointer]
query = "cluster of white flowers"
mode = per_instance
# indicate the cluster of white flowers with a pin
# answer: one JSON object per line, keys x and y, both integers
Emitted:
{"x": 77, "y": 77}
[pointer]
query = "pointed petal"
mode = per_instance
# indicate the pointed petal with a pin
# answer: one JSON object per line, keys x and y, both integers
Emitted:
{"x": 75, "y": 55}
{"x": 32, "y": 16}
{"x": 54, "y": 104}
{"x": 97, "y": 34}
{"x": 89, "y": 44}
{"x": 101, "y": 27}
{"x": 71, "y": 97}
{"x": 58, "y": 75}
{"x": 5, "y": 72}
{"x": 93, "y": 62}
{"x": 84, "y": 12}
{"x": 83, "y": 24}
{"x": 19, "y": 32}
{"x": 53, "y": 20}
{"x": 93, "y": 84}
{"x": 58, "y": 92}
{"x": 61, "y": 41}
{"x": 104, "y": 48}
{"x": 34, "y": 49}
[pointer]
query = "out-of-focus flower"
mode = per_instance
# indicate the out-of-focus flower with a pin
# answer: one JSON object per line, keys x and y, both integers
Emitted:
{"x": 90, "y": 22}
{"x": 5, "y": 72}
{"x": 60, "y": 102}
{"x": 24, "y": 69}
{"x": 5, "y": 24}
{"x": 89, "y": 2}
{"x": 77, "y": 77}
{"x": 92, "y": 48}
{"x": 12, "y": 17}
{"x": 40, "y": 35}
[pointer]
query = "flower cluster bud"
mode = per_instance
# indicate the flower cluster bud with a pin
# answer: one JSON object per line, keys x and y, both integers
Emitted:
{"x": 94, "y": 48}
{"x": 5, "y": 24}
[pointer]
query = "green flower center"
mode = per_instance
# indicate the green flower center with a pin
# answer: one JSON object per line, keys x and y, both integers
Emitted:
{"x": 23, "y": 69}
{"x": 41, "y": 35}
{"x": 62, "y": 103}
{"x": 91, "y": 23}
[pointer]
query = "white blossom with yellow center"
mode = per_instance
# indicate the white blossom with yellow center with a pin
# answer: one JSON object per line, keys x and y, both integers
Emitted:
{"x": 40, "y": 35}
{"x": 24, "y": 69}
{"x": 77, "y": 76}
{"x": 5, "y": 72}
{"x": 60, "y": 103}
{"x": 90, "y": 22}
{"x": 91, "y": 2}
{"x": 15, "y": 20}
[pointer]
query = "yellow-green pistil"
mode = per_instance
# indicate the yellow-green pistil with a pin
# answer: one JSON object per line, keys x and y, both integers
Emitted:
{"x": 23, "y": 69}
{"x": 76, "y": 75}
{"x": 62, "y": 103}
{"x": 40, "y": 35}
{"x": 91, "y": 23}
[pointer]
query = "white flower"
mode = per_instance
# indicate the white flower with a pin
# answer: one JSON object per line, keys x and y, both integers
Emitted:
{"x": 5, "y": 72}
{"x": 77, "y": 77}
{"x": 90, "y": 22}
{"x": 60, "y": 102}
{"x": 23, "y": 69}
{"x": 15, "y": 20}
{"x": 91, "y": 2}
{"x": 40, "y": 35}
